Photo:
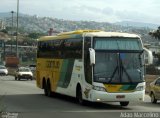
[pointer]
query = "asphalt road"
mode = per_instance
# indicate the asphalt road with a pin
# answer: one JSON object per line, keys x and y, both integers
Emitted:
{"x": 22, "y": 99}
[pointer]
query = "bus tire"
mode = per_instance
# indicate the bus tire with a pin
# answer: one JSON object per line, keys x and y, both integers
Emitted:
{"x": 49, "y": 92}
{"x": 79, "y": 96}
{"x": 45, "y": 88}
{"x": 31, "y": 78}
{"x": 124, "y": 104}
{"x": 153, "y": 99}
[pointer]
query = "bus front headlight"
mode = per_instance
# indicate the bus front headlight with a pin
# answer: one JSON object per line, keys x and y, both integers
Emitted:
{"x": 99, "y": 88}
{"x": 140, "y": 88}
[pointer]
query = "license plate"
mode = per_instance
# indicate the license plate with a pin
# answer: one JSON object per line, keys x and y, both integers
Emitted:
{"x": 120, "y": 96}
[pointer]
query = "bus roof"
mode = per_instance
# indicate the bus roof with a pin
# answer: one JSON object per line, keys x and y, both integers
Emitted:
{"x": 90, "y": 33}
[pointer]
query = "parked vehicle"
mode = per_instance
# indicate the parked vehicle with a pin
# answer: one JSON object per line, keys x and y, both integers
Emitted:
{"x": 32, "y": 67}
{"x": 3, "y": 70}
{"x": 154, "y": 90}
{"x": 23, "y": 73}
{"x": 11, "y": 61}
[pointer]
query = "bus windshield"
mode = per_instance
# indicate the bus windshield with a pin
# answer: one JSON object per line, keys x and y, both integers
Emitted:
{"x": 116, "y": 66}
{"x": 117, "y": 44}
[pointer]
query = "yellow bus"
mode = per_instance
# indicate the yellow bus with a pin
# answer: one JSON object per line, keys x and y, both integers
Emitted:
{"x": 92, "y": 65}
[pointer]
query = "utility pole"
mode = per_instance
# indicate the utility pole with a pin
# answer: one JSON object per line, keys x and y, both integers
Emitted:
{"x": 12, "y": 32}
{"x": 17, "y": 29}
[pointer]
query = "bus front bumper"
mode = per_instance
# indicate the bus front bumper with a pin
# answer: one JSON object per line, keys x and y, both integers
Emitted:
{"x": 100, "y": 96}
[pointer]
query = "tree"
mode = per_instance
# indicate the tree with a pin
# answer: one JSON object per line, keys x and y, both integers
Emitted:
{"x": 4, "y": 31}
{"x": 156, "y": 33}
{"x": 34, "y": 35}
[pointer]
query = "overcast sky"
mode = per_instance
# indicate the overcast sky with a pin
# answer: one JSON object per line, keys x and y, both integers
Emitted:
{"x": 147, "y": 11}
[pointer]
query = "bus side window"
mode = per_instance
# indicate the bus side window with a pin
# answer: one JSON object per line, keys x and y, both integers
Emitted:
{"x": 39, "y": 49}
{"x": 73, "y": 48}
{"x": 56, "y": 49}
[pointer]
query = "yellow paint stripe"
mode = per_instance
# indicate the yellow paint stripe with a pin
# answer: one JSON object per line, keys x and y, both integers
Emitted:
{"x": 115, "y": 88}
{"x": 112, "y": 88}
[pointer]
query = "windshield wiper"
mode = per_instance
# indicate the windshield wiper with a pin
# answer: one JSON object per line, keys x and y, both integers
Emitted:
{"x": 122, "y": 69}
{"x": 114, "y": 72}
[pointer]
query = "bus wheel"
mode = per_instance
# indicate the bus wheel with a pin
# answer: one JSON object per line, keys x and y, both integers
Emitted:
{"x": 153, "y": 100}
{"x": 49, "y": 92}
{"x": 79, "y": 96}
{"x": 45, "y": 89}
{"x": 124, "y": 104}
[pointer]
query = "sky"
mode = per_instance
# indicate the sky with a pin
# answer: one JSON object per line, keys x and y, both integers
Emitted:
{"x": 146, "y": 11}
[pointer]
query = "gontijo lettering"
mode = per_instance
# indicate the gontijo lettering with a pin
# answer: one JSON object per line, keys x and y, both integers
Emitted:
{"x": 52, "y": 63}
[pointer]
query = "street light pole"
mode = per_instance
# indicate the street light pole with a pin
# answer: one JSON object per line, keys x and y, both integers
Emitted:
{"x": 17, "y": 28}
{"x": 12, "y": 32}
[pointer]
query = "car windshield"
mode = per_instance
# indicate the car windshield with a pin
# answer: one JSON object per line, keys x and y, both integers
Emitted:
{"x": 2, "y": 67}
{"x": 32, "y": 66}
{"x": 24, "y": 70}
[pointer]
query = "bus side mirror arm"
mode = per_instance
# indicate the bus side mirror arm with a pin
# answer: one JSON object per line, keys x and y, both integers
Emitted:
{"x": 92, "y": 56}
{"x": 148, "y": 57}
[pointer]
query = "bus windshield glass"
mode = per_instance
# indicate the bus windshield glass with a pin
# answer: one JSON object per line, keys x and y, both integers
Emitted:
{"x": 116, "y": 66}
{"x": 117, "y": 44}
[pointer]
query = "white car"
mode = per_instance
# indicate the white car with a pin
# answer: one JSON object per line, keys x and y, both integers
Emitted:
{"x": 32, "y": 67}
{"x": 23, "y": 73}
{"x": 3, "y": 70}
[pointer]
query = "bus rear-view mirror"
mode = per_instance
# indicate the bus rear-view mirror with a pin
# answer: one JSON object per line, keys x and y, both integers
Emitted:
{"x": 148, "y": 56}
{"x": 92, "y": 56}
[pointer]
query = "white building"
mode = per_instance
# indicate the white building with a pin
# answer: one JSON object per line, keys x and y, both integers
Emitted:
{"x": 155, "y": 48}
{"x": 2, "y": 26}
